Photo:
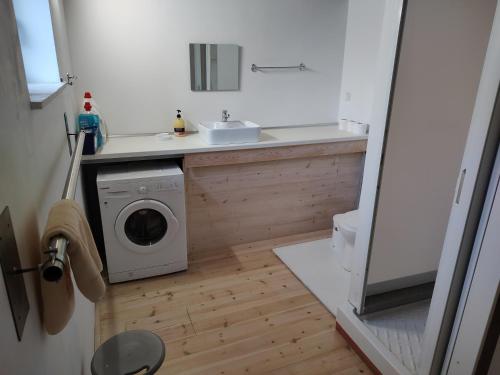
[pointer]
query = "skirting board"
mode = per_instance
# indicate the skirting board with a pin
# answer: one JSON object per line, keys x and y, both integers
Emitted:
{"x": 401, "y": 283}
{"x": 384, "y": 301}
{"x": 373, "y": 351}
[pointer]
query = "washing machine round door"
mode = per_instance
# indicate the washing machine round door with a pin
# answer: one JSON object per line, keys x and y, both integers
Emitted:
{"x": 146, "y": 226}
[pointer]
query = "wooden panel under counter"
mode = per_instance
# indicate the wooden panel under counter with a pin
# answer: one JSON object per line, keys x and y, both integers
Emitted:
{"x": 235, "y": 197}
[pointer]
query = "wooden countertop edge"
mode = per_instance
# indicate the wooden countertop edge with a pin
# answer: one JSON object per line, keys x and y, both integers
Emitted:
{"x": 217, "y": 158}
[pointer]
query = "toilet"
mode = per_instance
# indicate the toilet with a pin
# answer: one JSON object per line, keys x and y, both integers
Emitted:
{"x": 345, "y": 227}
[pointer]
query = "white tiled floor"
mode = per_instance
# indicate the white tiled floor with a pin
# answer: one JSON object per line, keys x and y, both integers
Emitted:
{"x": 401, "y": 330}
{"x": 316, "y": 266}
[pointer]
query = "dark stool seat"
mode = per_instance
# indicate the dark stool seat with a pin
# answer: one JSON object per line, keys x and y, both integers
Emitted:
{"x": 128, "y": 353}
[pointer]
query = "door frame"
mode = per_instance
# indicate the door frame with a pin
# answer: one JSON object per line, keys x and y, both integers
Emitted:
{"x": 481, "y": 288}
{"x": 393, "y": 24}
{"x": 465, "y": 213}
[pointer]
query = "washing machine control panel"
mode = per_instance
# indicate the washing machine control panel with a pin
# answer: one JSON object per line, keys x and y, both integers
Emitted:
{"x": 164, "y": 186}
{"x": 157, "y": 187}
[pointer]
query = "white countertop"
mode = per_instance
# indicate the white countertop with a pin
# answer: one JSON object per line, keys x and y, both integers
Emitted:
{"x": 148, "y": 146}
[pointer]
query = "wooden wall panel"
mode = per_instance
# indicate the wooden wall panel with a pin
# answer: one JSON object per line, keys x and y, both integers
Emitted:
{"x": 230, "y": 204}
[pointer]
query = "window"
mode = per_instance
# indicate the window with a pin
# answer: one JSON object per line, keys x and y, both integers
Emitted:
{"x": 34, "y": 24}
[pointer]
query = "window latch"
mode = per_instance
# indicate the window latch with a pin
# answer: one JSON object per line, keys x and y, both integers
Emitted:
{"x": 69, "y": 79}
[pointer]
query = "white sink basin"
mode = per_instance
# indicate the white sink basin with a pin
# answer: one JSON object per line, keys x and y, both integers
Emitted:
{"x": 227, "y": 132}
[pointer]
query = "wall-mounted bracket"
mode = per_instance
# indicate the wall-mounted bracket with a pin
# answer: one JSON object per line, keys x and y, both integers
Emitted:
{"x": 37, "y": 268}
{"x": 12, "y": 273}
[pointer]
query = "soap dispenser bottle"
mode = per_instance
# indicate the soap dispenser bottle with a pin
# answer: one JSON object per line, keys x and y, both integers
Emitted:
{"x": 179, "y": 126}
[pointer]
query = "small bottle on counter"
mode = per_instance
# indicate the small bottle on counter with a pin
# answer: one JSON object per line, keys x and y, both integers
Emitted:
{"x": 179, "y": 125}
{"x": 89, "y": 122}
{"x": 88, "y": 98}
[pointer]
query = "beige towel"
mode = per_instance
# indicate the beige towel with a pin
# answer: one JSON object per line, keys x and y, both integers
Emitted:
{"x": 58, "y": 303}
{"x": 67, "y": 218}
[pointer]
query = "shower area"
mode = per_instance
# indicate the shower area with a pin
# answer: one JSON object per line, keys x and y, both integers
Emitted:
{"x": 405, "y": 208}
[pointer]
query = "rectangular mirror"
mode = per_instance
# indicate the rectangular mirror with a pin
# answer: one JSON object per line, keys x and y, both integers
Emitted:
{"x": 214, "y": 67}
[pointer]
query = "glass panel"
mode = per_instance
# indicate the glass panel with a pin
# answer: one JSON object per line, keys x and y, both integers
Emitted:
{"x": 145, "y": 227}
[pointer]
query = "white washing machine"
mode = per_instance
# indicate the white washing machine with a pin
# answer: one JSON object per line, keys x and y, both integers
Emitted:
{"x": 143, "y": 219}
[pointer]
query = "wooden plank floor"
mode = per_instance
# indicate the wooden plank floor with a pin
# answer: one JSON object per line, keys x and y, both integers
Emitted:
{"x": 235, "y": 311}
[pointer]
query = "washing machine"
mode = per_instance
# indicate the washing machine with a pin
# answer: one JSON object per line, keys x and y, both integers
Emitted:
{"x": 143, "y": 219}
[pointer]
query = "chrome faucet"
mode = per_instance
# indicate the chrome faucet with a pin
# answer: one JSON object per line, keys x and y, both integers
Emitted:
{"x": 225, "y": 115}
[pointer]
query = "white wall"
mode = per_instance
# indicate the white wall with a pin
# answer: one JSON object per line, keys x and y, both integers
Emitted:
{"x": 442, "y": 53}
{"x": 362, "y": 45}
{"x": 135, "y": 58}
{"x": 33, "y": 165}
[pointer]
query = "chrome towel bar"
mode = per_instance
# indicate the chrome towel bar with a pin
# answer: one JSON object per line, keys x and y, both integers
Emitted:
{"x": 52, "y": 268}
{"x": 256, "y": 68}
